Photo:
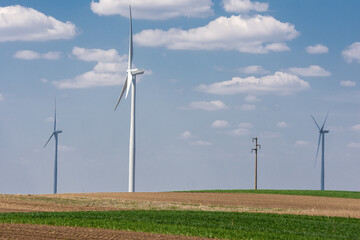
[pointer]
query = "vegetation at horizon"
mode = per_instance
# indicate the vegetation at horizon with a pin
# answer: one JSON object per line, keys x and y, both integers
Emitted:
{"x": 224, "y": 225}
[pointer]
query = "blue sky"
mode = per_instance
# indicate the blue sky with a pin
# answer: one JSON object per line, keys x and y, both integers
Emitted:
{"x": 218, "y": 73}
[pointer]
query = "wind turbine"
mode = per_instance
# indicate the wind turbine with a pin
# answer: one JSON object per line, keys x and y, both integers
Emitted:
{"x": 130, "y": 82}
{"x": 321, "y": 137}
{"x": 55, "y": 134}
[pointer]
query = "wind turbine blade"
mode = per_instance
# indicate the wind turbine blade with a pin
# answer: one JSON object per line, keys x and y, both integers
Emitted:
{"x": 55, "y": 117}
{"x": 315, "y": 122}
{"x": 317, "y": 151}
{"x": 130, "y": 78}
{"x": 122, "y": 93}
{"x": 130, "y": 42}
{"x": 48, "y": 140}
{"x": 325, "y": 121}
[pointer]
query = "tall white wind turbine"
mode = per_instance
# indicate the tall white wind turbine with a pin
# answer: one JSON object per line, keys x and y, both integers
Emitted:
{"x": 322, "y": 140}
{"x": 130, "y": 82}
{"x": 55, "y": 134}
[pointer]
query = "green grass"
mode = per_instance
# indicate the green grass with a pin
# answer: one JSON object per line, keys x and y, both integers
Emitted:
{"x": 225, "y": 225}
{"x": 338, "y": 194}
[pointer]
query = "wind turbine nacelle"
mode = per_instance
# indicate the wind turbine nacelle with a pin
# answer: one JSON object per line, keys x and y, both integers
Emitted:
{"x": 58, "y": 131}
{"x": 325, "y": 131}
{"x": 136, "y": 71}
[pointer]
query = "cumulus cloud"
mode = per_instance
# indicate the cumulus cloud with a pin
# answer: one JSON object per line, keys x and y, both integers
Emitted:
{"x": 239, "y": 132}
{"x": 279, "y": 83}
{"x": 353, "y": 145}
{"x": 311, "y": 71}
{"x": 256, "y": 34}
{"x": 97, "y": 55}
{"x": 348, "y": 83}
{"x": 248, "y": 107}
{"x": 18, "y": 23}
{"x": 254, "y": 69}
{"x": 220, "y": 124}
{"x": 207, "y": 106}
{"x": 185, "y": 135}
{"x": 252, "y": 99}
{"x": 270, "y": 135}
{"x": 109, "y": 70}
{"x": 352, "y": 52}
{"x": 243, "y": 6}
{"x": 32, "y": 55}
{"x": 282, "y": 124}
{"x": 201, "y": 143}
{"x": 355, "y": 127}
{"x": 49, "y": 120}
{"x": 317, "y": 49}
{"x": 153, "y": 9}
{"x": 301, "y": 143}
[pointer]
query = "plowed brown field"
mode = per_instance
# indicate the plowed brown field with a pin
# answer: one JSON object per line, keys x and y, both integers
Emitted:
{"x": 236, "y": 202}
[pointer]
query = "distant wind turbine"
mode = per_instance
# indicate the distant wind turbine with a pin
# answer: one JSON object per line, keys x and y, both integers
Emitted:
{"x": 130, "y": 81}
{"x": 321, "y": 137}
{"x": 55, "y": 134}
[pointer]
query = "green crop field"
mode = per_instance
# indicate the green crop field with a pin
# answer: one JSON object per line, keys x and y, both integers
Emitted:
{"x": 339, "y": 194}
{"x": 224, "y": 225}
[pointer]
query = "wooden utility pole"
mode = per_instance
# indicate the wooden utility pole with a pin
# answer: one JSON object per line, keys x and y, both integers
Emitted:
{"x": 257, "y": 146}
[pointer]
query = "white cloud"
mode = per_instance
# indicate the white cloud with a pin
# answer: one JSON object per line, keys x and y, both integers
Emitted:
{"x": 1, "y": 97}
{"x": 207, "y": 106}
{"x": 220, "y": 124}
{"x": 51, "y": 55}
{"x": 91, "y": 79}
{"x": 352, "y": 52}
{"x": 355, "y": 127}
{"x": 110, "y": 69}
{"x": 254, "y": 69}
{"x": 185, "y": 135}
{"x": 243, "y": 6}
{"x": 153, "y": 9}
{"x": 277, "y": 47}
{"x": 317, "y": 49}
{"x": 97, "y": 55}
{"x": 256, "y": 34}
{"x": 49, "y": 120}
{"x": 348, "y": 83}
{"x": 252, "y": 99}
{"x": 239, "y": 132}
{"x": 270, "y": 135}
{"x": 248, "y": 107}
{"x": 245, "y": 125}
{"x": 18, "y": 23}
{"x": 201, "y": 143}
{"x": 311, "y": 71}
{"x": 31, "y": 55}
{"x": 353, "y": 145}
{"x": 282, "y": 124}
{"x": 279, "y": 83}
{"x": 301, "y": 143}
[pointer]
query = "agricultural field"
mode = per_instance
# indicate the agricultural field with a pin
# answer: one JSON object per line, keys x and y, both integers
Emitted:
{"x": 181, "y": 215}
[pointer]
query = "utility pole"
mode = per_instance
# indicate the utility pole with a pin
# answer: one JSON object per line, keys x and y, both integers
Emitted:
{"x": 257, "y": 146}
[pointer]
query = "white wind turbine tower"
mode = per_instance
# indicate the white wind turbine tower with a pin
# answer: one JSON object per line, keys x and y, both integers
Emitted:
{"x": 130, "y": 82}
{"x": 55, "y": 134}
{"x": 321, "y": 137}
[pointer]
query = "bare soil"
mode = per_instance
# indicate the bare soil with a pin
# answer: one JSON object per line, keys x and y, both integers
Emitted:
{"x": 234, "y": 202}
